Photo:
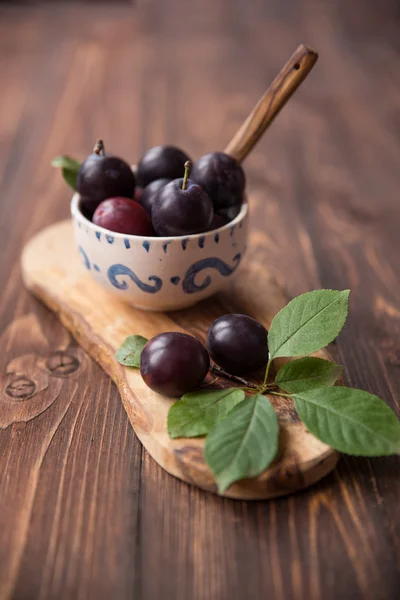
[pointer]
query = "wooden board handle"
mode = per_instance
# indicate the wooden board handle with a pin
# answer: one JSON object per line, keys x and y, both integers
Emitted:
{"x": 284, "y": 85}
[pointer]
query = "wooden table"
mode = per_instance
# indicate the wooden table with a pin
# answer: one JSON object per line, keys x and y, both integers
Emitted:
{"x": 84, "y": 512}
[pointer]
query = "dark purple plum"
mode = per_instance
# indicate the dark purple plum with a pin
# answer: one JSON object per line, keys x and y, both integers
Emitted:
{"x": 230, "y": 213}
{"x": 103, "y": 176}
{"x": 238, "y": 344}
{"x": 150, "y": 192}
{"x": 123, "y": 215}
{"x": 160, "y": 162}
{"x": 222, "y": 177}
{"x": 182, "y": 208}
{"x": 88, "y": 206}
{"x": 223, "y": 217}
{"x": 174, "y": 363}
{"x": 219, "y": 220}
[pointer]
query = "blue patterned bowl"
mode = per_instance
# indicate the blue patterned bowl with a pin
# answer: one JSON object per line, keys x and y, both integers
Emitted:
{"x": 161, "y": 273}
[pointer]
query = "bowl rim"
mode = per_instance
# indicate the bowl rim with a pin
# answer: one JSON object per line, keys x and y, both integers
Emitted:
{"x": 78, "y": 215}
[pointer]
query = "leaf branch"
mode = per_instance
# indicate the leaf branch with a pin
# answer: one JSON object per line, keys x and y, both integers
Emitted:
{"x": 222, "y": 373}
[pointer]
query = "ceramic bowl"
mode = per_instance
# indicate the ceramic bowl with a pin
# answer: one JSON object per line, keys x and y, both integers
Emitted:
{"x": 161, "y": 273}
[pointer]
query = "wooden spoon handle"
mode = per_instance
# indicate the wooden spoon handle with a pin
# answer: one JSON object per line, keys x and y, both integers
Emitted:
{"x": 284, "y": 85}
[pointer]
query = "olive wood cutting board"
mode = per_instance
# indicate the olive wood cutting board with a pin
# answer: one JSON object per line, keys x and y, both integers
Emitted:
{"x": 53, "y": 272}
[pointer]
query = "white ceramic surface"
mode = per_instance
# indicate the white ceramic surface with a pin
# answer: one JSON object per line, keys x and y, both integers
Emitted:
{"x": 160, "y": 273}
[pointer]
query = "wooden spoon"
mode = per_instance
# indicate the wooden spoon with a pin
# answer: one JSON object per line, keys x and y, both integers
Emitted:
{"x": 283, "y": 86}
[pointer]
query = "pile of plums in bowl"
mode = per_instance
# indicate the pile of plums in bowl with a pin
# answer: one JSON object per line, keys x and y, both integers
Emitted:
{"x": 165, "y": 234}
{"x": 168, "y": 197}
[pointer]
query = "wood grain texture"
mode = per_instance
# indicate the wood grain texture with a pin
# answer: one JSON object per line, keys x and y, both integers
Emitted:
{"x": 84, "y": 512}
{"x": 52, "y": 270}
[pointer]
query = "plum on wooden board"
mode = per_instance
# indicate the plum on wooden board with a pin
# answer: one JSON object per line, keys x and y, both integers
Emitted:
{"x": 238, "y": 344}
{"x": 123, "y": 215}
{"x": 174, "y": 363}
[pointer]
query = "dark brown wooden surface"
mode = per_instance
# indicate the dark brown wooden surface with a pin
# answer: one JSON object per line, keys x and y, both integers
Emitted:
{"x": 84, "y": 512}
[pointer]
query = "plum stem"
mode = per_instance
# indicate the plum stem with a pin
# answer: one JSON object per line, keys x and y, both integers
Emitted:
{"x": 188, "y": 167}
{"x": 222, "y": 373}
{"x": 99, "y": 148}
{"x": 266, "y": 372}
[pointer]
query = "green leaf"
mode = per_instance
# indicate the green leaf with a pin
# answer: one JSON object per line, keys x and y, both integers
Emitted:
{"x": 66, "y": 162}
{"x": 244, "y": 443}
{"x": 70, "y": 177}
{"x": 352, "y": 421}
{"x": 69, "y": 168}
{"x": 307, "y": 373}
{"x": 129, "y": 353}
{"x": 198, "y": 412}
{"x": 308, "y": 323}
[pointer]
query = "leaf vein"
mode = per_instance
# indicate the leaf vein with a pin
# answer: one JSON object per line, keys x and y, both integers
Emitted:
{"x": 305, "y": 323}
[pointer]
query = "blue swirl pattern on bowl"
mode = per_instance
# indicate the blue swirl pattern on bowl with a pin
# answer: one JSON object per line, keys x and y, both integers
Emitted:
{"x": 161, "y": 273}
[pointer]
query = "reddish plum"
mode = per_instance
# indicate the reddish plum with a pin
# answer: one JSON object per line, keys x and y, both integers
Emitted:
{"x": 123, "y": 215}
